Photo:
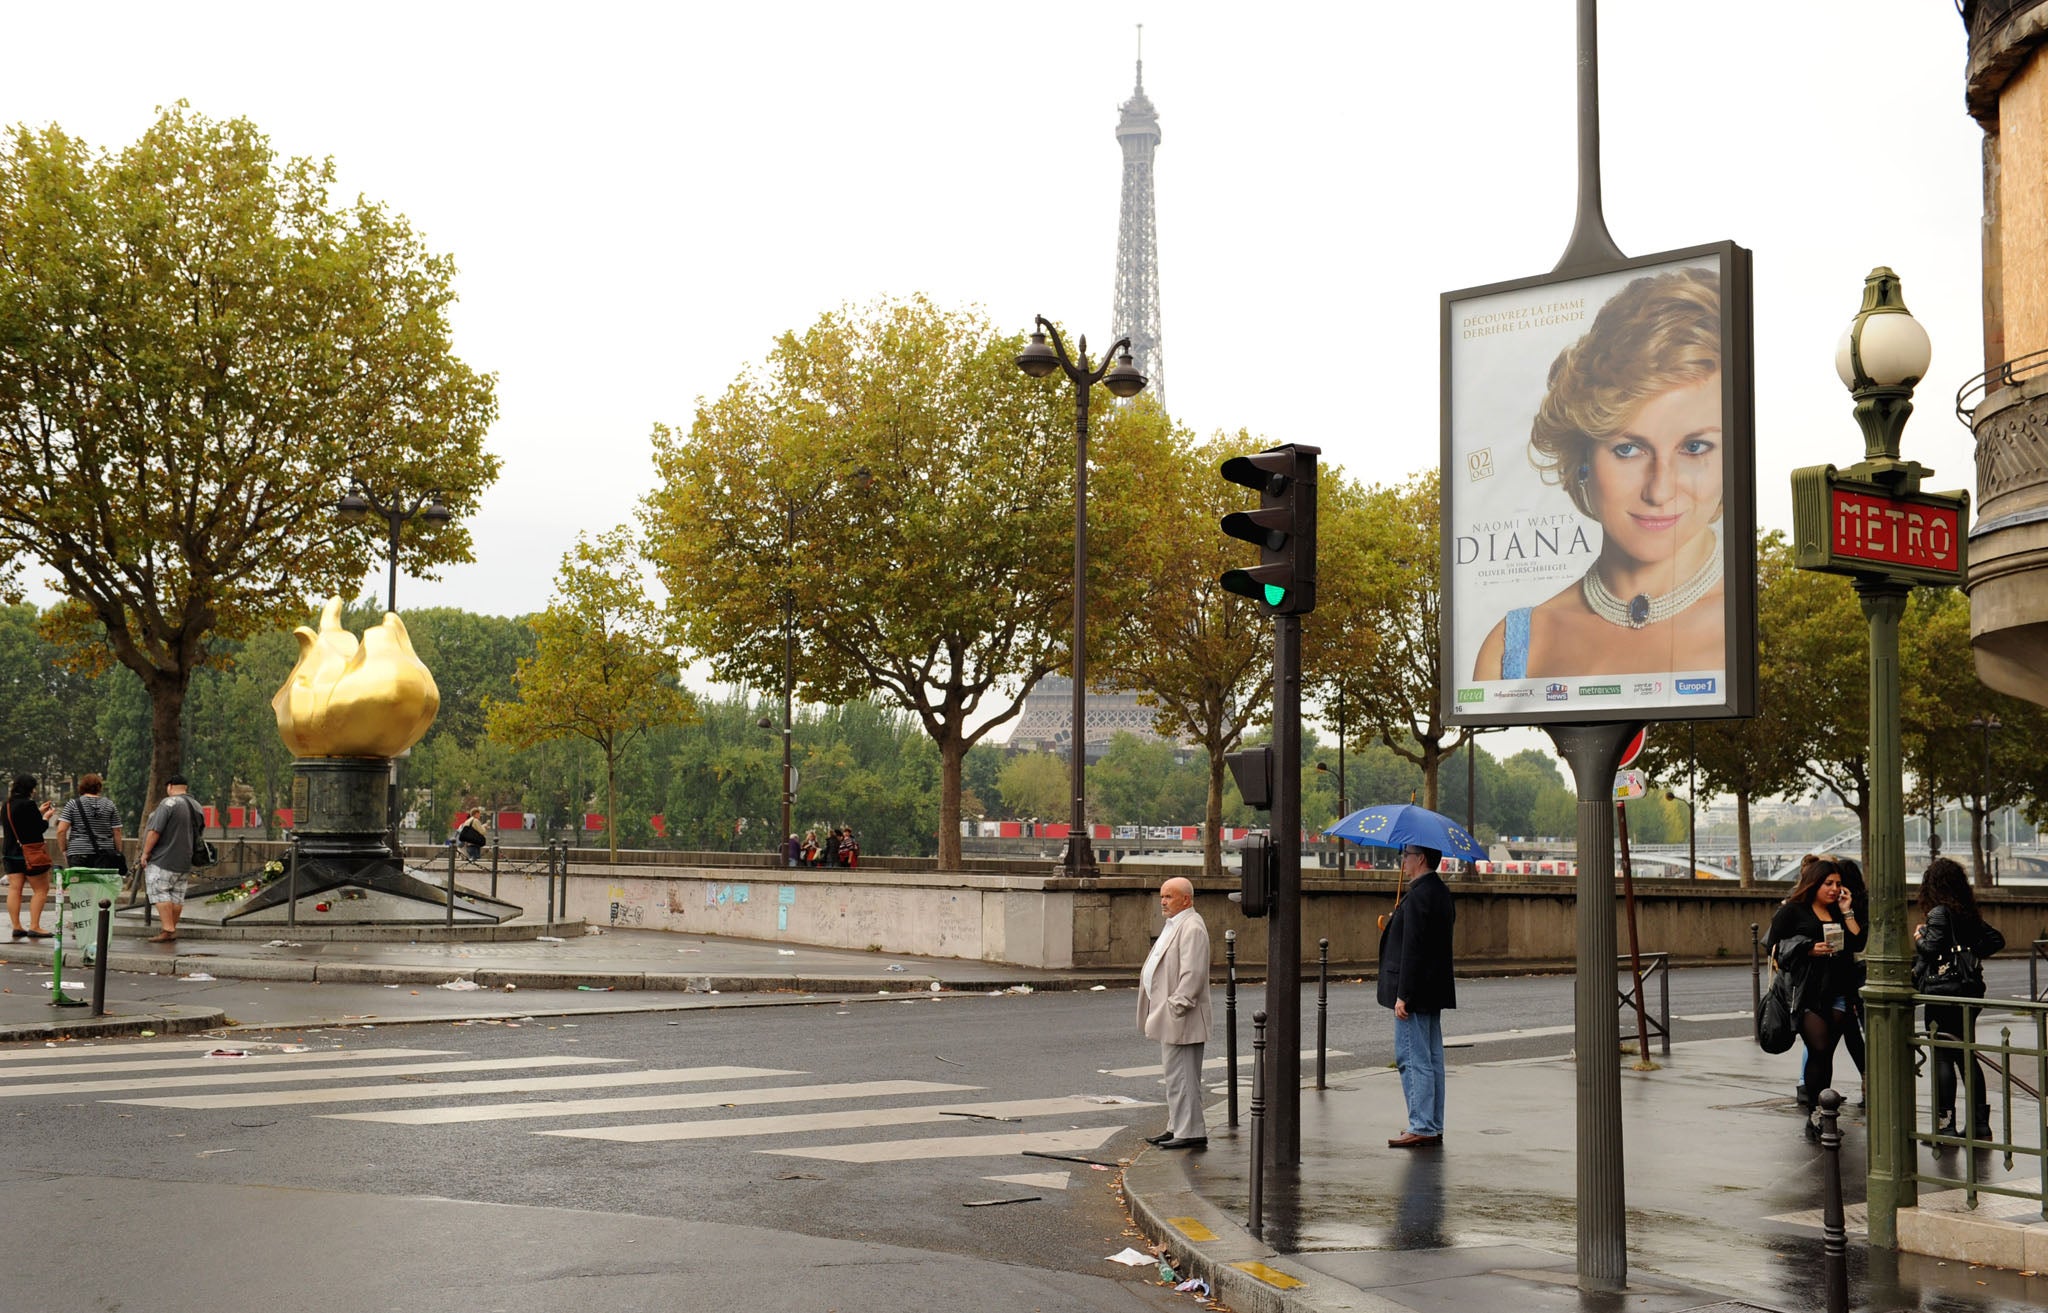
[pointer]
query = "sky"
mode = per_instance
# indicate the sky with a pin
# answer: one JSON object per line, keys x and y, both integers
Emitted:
{"x": 639, "y": 198}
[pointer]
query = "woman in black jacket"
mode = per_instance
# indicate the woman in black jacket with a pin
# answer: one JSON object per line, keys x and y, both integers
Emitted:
{"x": 24, "y": 820}
{"x": 1952, "y": 921}
{"x": 1812, "y": 938}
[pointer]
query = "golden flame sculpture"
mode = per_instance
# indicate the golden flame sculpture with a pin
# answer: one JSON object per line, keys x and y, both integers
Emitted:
{"x": 348, "y": 699}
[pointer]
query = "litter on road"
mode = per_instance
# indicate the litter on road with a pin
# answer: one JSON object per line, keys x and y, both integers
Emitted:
{"x": 1193, "y": 1286}
{"x": 1132, "y": 1258}
{"x": 196, "y": 975}
{"x": 460, "y": 985}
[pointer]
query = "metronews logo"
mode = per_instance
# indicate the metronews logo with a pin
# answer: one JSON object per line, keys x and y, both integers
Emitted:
{"x": 1471, "y": 695}
{"x": 1556, "y": 693}
{"x": 1599, "y": 690}
{"x": 1695, "y": 685}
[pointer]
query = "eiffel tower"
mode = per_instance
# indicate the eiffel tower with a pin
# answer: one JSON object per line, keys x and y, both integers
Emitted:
{"x": 1136, "y": 313}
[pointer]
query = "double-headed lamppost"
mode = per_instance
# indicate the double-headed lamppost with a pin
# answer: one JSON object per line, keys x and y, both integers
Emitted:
{"x": 1123, "y": 380}
{"x": 355, "y": 504}
{"x": 1984, "y": 725}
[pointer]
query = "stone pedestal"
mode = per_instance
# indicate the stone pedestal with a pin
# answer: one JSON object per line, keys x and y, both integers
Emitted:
{"x": 339, "y": 806}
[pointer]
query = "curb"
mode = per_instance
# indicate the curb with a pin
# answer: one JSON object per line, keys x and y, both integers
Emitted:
{"x": 1242, "y": 1271}
{"x": 183, "y": 1022}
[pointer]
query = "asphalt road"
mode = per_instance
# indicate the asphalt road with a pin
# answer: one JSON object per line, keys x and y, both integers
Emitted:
{"x": 801, "y": 1157}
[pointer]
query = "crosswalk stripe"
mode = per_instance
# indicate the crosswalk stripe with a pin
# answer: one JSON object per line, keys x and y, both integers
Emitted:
{"x": 232, "y": 1076}
{"x": 1245, "y": 1061}
{"x": 723, "y": 1127}
{"x": 491, "y": 1112}
{"x": 451, "y": 1089}
{"x": 1495, "y": 1036}
{"x": 102, "y": 1050}
{"x": 200, "y": 1061}
{"x": 1743, "y": 1014}
{"x": 957, "y": 1146}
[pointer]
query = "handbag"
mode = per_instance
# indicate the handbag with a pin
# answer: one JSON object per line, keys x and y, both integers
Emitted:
{"x": 1774, "y": 1029}
{"x": 35, "y": 857}
{"x": 204, "y": 854}
{"x": 1954, "y": 973}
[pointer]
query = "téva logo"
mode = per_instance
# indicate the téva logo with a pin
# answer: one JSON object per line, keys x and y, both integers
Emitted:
{"x": 1556, "y": 692}
{"x": 1695, "y": 685}
{"x": 1471, "y": 695}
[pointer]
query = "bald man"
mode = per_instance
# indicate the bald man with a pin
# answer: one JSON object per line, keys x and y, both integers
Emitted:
{"x": 1173, "y": 1008}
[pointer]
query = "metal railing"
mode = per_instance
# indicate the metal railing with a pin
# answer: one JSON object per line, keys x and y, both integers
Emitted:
{"x": 1657, "y": 1022}
{"x": 1987, "y": 1078}
{"x": 2034, "y": 960}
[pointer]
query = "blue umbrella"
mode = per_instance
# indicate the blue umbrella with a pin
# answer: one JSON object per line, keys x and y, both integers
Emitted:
{"x": 1403, "y": 823}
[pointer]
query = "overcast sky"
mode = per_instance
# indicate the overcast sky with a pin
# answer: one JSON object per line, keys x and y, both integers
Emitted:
{"x": 640, "y": 197}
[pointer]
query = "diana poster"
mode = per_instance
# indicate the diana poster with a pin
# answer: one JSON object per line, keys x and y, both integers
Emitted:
{"x": 1599, "y": 507}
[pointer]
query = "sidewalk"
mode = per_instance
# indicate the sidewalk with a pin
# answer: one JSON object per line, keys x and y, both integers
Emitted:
{"x": 1723, "y": 1194}
{"x": 150, "y": 987}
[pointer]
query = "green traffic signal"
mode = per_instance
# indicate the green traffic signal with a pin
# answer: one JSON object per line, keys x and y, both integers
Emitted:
{"x": 1276, "y": 596}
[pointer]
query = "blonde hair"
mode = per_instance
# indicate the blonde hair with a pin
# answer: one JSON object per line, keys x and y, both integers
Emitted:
{"x": 1660, "y": 332}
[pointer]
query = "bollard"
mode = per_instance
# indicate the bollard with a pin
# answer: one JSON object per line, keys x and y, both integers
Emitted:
{"x": 1230, "y": 1019}
{"x": 99, "y": 958}
{"x": 1756, "y": 970}
{"x": 1835, "y": 1236}
{"x": 1664, "y": 1002}
{"x": 1258, "y": 1120}
{"x": 562, "y": 909}
{"x": 1322, "y": 1006}
{"x": 291, "y": 887}
{"x": 494, "y": 864}
{"x": 451, "y": 884}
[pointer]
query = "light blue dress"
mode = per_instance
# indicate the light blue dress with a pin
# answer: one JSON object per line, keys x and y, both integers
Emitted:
{"x": 1514, "y": 657}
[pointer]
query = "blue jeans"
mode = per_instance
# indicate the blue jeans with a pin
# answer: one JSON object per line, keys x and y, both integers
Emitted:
{"x": 1419, "y": 1053}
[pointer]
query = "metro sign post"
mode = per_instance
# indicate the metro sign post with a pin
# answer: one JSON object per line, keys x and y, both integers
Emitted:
{"x": 1872, "y": 522}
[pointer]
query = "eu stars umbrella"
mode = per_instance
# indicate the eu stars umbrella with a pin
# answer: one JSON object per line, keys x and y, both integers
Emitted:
{"x": 1403, "y": 823}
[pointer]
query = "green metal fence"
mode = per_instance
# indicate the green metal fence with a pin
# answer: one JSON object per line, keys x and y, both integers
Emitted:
{"x": 2005, "y": 1041}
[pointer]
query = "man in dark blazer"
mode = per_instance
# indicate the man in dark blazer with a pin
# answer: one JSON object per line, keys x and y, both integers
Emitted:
{"x": 1416, "y": 982}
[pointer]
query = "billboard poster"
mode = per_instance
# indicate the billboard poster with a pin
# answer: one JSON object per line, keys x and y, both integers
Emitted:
{"x": 1598, "y": 483}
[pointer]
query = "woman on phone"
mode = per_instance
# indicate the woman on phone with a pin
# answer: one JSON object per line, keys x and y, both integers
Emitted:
{"x": 1813, "y": 937}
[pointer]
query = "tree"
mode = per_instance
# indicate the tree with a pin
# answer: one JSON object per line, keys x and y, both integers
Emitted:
{"x": 1036, "y": 784}
{"x": 197, "y": 352}
{"x": 1199, "y": 655}
{"x": 890, "y": 477}
{"x": 47, "y": 712}
{"x": 1375, "y": 637}
{"x": 1813, "y": 678}
{"x": 600, "y": 668}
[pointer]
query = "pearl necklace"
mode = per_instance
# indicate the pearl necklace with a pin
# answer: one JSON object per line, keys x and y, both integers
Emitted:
{"x": 1643, "y": 609}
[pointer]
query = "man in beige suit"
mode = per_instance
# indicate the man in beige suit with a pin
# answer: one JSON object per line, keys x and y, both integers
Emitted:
{"x": 1173, "y": 1008}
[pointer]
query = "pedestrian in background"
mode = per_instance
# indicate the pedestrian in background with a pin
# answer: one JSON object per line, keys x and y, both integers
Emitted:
{"x": 89, "y": 829}
{"x": 472, "y": 834}
{"x": 792, "y": 850}
{"x": 1173, "y": 1008}
{"x": 1951, "y": 922}
{"x": 26, "y": 856}
{"x": 1417, "y": 982}
{"x": 167, "y": 855}
{"x": 1813, "y": 937}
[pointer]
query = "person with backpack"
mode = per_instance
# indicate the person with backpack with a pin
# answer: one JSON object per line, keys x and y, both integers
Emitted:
{"x": 1949, "y": 948}
{"x": 167, "y": 842}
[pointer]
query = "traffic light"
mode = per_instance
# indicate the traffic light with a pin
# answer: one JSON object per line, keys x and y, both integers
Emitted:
{"x": 1284, "y": 527}
{"x": 1256, "y": 873}
{"x": 1253, "y": 771}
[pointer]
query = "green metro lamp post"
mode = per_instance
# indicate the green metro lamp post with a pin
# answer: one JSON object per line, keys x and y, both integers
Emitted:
{"x": 1872, "y": 522}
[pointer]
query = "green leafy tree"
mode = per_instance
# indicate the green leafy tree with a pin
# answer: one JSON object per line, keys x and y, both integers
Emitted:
{"x": 1375, "y": 635}
{"x": 1141, "y": 781}
{"x": 600, "y": 669}
{"x": 1200, "y": 656}
{"x": 886, "y": 477}
{"x": 48, "y": 725}
{"x": 1036, "y": 784}
{"x": 197, "y": 352}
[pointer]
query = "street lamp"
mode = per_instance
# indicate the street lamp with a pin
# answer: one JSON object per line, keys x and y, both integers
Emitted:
{"x": 1984, "y": 725}
{"x": 1123, "y": 380}
{"x": 359, "y": 503}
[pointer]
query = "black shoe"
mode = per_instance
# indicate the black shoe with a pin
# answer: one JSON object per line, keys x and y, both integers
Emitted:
{"x": 1187, "y": 1142}
{"x": 1160, "y": 1138}
{"x": 1804, "y": 1097}
{"x": 37, "y": 934}
{"x": 21, "y": 934}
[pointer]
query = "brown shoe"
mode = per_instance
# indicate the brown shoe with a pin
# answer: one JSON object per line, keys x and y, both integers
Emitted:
{"x": 1410, "y": 1140}
{"x": 161, "y": 938}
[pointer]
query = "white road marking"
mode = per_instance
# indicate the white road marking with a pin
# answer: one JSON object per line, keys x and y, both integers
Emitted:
{"x": 204, "y": 1063}
{"x": 458, "y": 1088}
{"x": 1743, "y": 1015}
{"x": 957, "y": 1146}
{"x": 1495, "y": 1036}
{"x": 1244, "y": 1061}
{"x": 491, "y": 1112}
{"x": 105, "y": 1050}
{"x": 231, "y": 1074}
{"x": 855, "y": 1119}
{"x": 1036, "y": 1180}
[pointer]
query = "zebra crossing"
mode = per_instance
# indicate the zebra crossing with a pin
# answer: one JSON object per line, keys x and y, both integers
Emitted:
{"x": 592, "y": 1098}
